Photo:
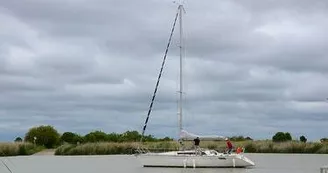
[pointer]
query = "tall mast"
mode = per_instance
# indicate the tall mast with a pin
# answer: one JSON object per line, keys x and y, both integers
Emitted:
{"x": 181, "y": 56}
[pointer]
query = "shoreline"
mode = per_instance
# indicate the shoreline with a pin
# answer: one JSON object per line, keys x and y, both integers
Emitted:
{"x": 105, "y": 148}
{"x": 104, "y": 155}
{"x": 45, "y": 152}
{"x": 129, "y": 148}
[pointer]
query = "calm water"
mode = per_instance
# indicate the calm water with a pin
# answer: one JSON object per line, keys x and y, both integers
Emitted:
{"x": 265, "y": 163}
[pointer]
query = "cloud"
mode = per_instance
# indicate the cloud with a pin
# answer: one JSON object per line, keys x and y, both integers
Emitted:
{"x": 251, "y": 68}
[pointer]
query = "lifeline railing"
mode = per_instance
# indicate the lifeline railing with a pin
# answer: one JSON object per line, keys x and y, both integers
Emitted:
{"x": 142, "y": 150}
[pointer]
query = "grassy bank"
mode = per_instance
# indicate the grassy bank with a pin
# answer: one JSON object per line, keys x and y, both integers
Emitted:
{"x": 286, "y": 147}
{"x": 108, "y": 148}
{"x": 105, "y": 148}
{"x": 16, "y": 149}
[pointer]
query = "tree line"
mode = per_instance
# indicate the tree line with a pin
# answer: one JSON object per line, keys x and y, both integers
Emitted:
{"x": 48, "y": 136}
{"x": 285, "y": 136}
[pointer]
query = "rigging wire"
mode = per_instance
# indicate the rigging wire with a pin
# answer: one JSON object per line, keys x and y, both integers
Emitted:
{"x": 6, "y": 166}
{"x": 159, "y": 77}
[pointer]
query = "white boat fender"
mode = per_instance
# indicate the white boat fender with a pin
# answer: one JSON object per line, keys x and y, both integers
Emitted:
{"x": 185, "y": 163}
{"x": 193, "y": 163}
{"x": 233, "y": 163}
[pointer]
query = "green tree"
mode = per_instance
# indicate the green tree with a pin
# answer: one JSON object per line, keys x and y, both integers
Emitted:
{"x": 43, "y": 135}
{"x": 288, "y": 137}
{"x": 278, "y": 137}
{"x": 303, "y": 139}
{"x": 18, "y": 139}
{"x": 96, "y": 136}
{"x": 71, "y": 138}
{"x": 113, "y": 137}
{"x": 150, "y": 138}
{"x": 240, "y": 138}
{"x": 130, "y": 136}
{"x": 78, "y": 139}
{"x": 324, "y": 140}
{"x": 281, "y": 137}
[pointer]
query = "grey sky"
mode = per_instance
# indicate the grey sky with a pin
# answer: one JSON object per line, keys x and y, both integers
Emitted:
{"x": 252, "y": 68}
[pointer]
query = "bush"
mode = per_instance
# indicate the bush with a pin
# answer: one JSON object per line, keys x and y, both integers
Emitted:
{"x": 96, "y": 136}
{"x": 324, "y": 140}
{"x": 113, "y": 137}
{"x": 22, "y": 148}
{"x": 18, "y": 139}
{"x": 64, "y": 149}
{"x": 303, "y": 139}
{"x": 71, "y": 138}
{"x": 100, "y": 148}
{"x": 133, "y": 136}
{"x": 281, "y": 137}
{"x": 250, "y": 148}
{"x": 43, "y": 135}
{"x": 67, "y": 137}
{"x": 240, "y": 138}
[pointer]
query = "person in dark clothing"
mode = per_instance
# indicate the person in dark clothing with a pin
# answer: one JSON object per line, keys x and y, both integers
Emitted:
{"x": 196, "y": 142}
{"x": 229, "y": 145}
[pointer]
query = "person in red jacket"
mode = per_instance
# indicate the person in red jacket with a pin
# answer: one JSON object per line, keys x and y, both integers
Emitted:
{"x": 229, "y": 145}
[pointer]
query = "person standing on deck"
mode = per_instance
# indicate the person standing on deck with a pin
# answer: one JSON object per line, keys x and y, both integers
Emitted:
{"x": 229, "y": 145}
{"x": 196, "y": 142}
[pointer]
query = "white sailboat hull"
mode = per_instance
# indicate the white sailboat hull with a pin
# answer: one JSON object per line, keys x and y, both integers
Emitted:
{"x": 172, "y": 159}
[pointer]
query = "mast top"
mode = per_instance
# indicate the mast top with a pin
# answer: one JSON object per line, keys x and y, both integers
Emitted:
{"x": 180, "y": 2}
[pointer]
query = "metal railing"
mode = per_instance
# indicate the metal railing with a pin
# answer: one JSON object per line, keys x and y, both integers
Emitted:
{"x": 141, "y": 150}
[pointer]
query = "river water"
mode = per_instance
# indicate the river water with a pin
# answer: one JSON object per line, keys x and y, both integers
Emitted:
{"x": 265, "y": 163}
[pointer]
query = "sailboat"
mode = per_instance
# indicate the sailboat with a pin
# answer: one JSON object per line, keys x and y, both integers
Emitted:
{"x": 195, "y": 158}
